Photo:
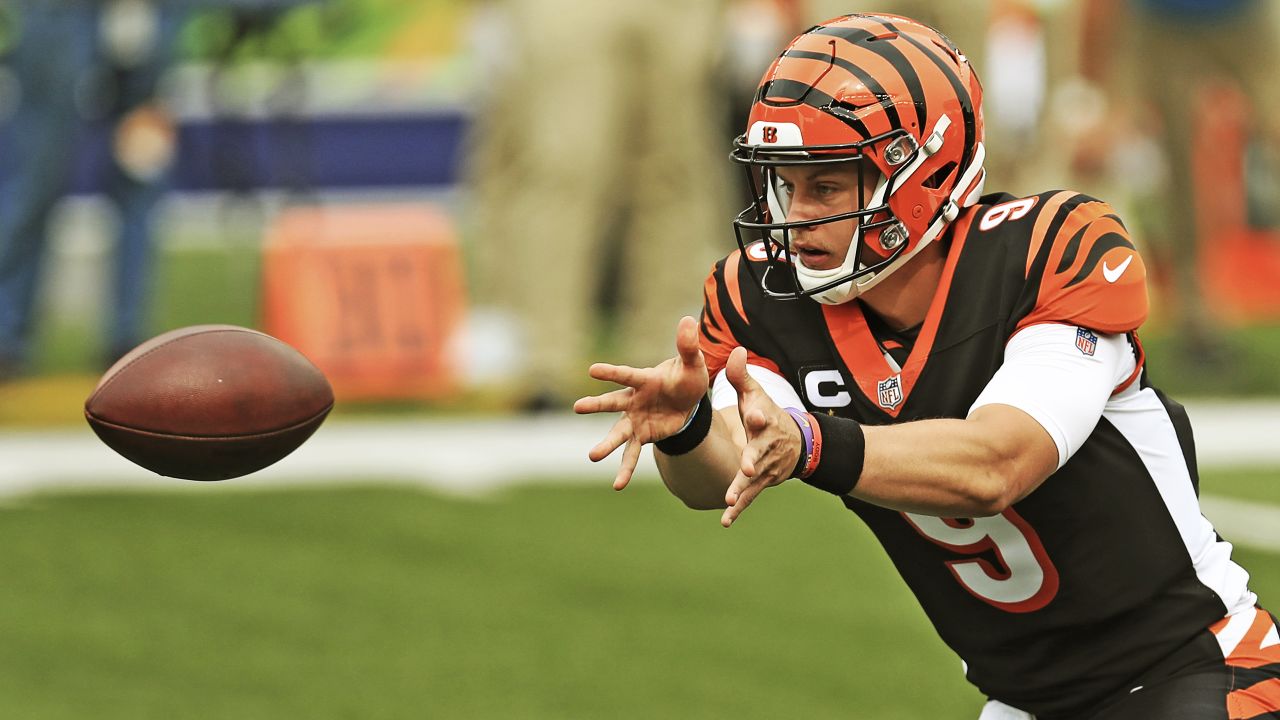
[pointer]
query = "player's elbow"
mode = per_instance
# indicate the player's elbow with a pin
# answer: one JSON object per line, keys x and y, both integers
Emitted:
{"x": 990, "y": 495}
{"x": 1002, "y": 479}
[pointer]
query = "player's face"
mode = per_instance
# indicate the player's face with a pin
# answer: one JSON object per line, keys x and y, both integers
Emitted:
{"x": 814, "y": 192}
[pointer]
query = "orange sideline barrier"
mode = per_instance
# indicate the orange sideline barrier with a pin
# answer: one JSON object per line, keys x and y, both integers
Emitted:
{"x": 1239, "y": 265}
{"x": 372, "y": 294}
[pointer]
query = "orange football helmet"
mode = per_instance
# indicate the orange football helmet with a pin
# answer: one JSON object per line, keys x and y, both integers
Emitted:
{"x": 866, "y": 88}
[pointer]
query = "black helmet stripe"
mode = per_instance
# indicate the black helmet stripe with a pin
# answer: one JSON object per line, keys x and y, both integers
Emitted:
{"x": 804, "y": 94}
{"x": 962, "y": 93}
{"x": 796, "y": 92}
{"x": 891, "y": 54}
{"x": 886, "y": 101}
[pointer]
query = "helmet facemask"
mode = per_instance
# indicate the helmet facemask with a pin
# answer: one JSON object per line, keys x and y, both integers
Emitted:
{"x": 877, "y": 239}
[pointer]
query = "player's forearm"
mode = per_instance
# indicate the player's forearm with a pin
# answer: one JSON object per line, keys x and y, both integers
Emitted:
{"x": 701, "y": 476}
{"x": 947, "y": 468}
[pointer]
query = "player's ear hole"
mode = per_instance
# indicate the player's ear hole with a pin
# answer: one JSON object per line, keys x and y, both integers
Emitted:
{"x": 943, "y": 174}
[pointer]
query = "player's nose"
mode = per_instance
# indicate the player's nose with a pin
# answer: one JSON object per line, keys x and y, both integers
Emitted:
{"x": 802, "y": 210}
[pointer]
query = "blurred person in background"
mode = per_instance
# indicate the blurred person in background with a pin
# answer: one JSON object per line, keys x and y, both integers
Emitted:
{"x": 962, "y": 370}
{"x": 1155, "y": 60}
{"x": 75, "y": 62}
{"x": 594, "y": 164}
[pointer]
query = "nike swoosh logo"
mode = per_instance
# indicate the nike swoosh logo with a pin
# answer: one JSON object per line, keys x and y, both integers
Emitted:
{"x": 1112, "y": 274}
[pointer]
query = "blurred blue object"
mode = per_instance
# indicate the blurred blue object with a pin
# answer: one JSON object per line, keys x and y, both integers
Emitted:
{"x": 73, "y": 60}
{"x": 302, "y": 154}
{"x": 1198, "y": 10}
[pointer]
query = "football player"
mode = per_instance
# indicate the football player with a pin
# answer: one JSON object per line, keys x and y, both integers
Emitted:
{"x": 963, "y": 372}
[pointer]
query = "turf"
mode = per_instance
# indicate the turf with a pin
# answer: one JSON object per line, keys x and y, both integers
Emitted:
{"x": 539, "y": 602}
{"x": 1260, "y": 484}
{"x": 389, "y": 603}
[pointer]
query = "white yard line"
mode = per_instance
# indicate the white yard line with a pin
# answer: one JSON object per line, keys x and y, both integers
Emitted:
{"x": 479, "y": 455}
{"x": 450, "y": 454}
{"x": 1247, "y": 524}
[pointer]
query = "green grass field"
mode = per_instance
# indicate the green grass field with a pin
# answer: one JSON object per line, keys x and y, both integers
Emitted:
{"x": 541, "y": 601}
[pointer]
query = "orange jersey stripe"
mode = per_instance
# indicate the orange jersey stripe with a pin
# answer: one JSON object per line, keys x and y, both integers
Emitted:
{"x": 1250, "y": 651}
{"x": 731, "y": 284}
{"x": 1252, "y": 702}
{"x": 711, "y": 295}
{"x": 1081, "y": 217}
{"x": 1092, "y": 276}
{"x": 715, "y": 338}
{"x": 1047, "y": 214}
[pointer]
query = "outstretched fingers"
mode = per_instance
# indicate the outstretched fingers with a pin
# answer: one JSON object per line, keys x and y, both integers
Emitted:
{"x": 630, "y": 459}
{"x": 620, "y": 433}
{"x": 615, "y": 401}
{"x": 743, "y": 489}
{"x": 742, "y": 492}
{"x": 620, "y": 374}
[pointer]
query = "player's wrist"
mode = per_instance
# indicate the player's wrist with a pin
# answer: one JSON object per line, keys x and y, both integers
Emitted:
{"x": 692, "y": 433}
{"x": 810, "y": 443}
{"x": 842, "y": 450}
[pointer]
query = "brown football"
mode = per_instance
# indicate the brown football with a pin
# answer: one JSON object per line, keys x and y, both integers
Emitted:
{"x": 209, "y": 402}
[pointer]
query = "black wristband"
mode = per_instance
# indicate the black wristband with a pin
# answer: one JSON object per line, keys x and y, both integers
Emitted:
{"x": 843, "y": 450}
{"x": 692, "y": 435}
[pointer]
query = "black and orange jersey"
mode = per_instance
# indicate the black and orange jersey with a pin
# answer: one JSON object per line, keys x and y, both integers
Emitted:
{"x": 1105, "y": 568}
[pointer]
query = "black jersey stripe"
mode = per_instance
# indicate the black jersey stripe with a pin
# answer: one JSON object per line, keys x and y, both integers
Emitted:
{"x": 875, "y": 88}
{"x": 894, "y": 57}
{"x": 962, "y": 93}
{"x": 1245, "y": 678}
{"x": 707, "y": 317}
{"x": 1073, "y": 245}
{"x": 1108, "y": 241}
{"x": 1070, "y": 251}
{"x": 1036, "y": 272}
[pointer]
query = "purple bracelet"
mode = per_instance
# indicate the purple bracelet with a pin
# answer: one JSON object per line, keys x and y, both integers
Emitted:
{"x": 806, "y": 433}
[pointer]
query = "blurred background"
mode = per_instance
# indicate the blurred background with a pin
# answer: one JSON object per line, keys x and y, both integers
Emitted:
{"x": 453, "y": 207}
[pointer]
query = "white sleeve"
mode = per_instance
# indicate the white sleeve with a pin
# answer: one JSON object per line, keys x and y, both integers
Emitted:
{"x": 775, "y": 386}
{"x": 1062, "y": 376}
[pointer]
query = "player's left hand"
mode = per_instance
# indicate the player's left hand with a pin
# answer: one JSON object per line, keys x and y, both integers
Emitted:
{"x": 773, "y": 440}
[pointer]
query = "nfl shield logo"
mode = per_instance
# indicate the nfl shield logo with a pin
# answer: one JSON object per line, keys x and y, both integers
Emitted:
{"x": 1086, "y": 342}
{"x": 890, "y": 392}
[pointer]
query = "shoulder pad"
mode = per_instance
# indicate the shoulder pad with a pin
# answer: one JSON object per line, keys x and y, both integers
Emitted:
{"x": 1082, "y": 268}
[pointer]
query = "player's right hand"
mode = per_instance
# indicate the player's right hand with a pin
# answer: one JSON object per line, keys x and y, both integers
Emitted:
{"x": 655, "y": 403}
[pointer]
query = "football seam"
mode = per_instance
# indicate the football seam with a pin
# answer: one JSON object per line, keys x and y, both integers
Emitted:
{"x": 132, "y": 362}
{"x": 175, "y": 436}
